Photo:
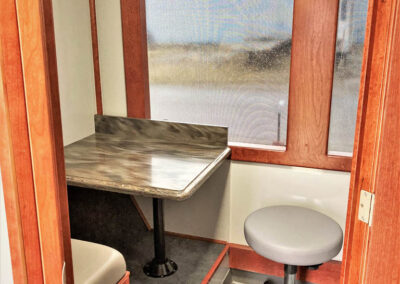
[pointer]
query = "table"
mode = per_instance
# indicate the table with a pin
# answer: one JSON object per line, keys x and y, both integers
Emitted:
{"x": 158, "y": 159}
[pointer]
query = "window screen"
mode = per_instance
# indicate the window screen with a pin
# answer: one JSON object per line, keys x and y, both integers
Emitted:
{"x": 222, "y": 63}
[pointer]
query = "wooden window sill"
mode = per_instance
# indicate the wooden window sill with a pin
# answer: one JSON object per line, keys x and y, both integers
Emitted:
{"x": 291, "y": 158}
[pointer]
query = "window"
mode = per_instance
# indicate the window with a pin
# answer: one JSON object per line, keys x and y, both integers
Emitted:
{"x": 223, "y": 62}
{"x": 346, "y": 83}
{"x": 262, "y": 67}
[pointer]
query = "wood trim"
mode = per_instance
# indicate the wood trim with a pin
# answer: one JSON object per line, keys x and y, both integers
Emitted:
{"x": 134, "y": 37}
{"x": 185, "y": 236}
{"x": 96, "y": 64}
{"x": 310, "y": 92}
{"x": 10, "y": 191}
{"x": 41, "y": 95}
{"x": 16, "y": 161}
{"x": 197, "y": 238}
{"x": 214, "y": 267}
{"x": 380, "y": 22}
{"x": 55, "y": 109}
{"x": 290, "y": 158}
{"x": 141, "y": 214}
{"x": 311, "y": 78}
{"x": 383, "y": 262}
{"x": 125, "y": 279}
{"x": 244, "y": 258}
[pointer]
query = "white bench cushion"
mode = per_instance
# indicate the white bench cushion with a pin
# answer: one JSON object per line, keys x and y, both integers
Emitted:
{"x": 96, "y": 264}
{"x": 293, "y": 235}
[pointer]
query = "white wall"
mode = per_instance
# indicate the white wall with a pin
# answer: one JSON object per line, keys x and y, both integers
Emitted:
{"x": 111, "y": 58}
{"x": 219, "y": 208}
{"x": 6, "y": 276}
{"x": 75, "y": 68}
{"x": 254, "y": 186}
{"x": 207, "y": 213}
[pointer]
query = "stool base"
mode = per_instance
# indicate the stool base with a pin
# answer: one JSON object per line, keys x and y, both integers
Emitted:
{"x": 290, "y": 274}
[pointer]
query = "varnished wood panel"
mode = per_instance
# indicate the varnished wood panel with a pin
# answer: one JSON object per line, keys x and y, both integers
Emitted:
{"x": 16, "y": 165}
{"x": 311, "y": 77}
{"x": 54, "y": 99}
{"x": 383, "y": 253}
{"x": 355, "y": 231}
{"x": 42, "y": 124}
{"x": 134, "y": 36}
{"x": 370, "y": 109}
{"x": 327, "y": 273}
{"x": 244, "y": 258}
{"x": 95, "y": 49}
{"x": 290, "y": 158}
{"x": 311, "y": 80}
{"x": 10, "y": 191}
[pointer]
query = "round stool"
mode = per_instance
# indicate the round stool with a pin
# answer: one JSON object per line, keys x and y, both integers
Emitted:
{"x": 294, "y": 236}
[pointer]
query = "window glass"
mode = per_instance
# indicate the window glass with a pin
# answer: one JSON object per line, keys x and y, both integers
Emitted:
{"x": 222, "y": 62}
{"x": 346, "y": 83}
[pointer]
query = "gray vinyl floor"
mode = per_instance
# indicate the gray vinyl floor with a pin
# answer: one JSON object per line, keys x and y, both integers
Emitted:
{"x": 111, "y": 219}
{"x": 246, "y": 277}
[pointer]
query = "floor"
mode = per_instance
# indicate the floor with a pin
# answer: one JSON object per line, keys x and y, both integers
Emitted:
{"x": 111, "y": 219}
{"x": 226, "y": 275}
{"x": 245, "y": 277}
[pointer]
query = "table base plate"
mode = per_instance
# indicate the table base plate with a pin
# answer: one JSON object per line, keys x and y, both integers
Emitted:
{"x": 157, "y": 270}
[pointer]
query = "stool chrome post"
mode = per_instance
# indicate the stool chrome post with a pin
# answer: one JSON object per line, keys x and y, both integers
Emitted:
{"x": 290, "y": 274}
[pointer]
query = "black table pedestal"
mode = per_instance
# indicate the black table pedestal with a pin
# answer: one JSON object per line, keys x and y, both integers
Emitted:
{"x": 160, "y": 266}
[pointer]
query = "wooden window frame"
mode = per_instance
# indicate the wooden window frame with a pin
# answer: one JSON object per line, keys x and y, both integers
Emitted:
{"x": 310, "y": 92}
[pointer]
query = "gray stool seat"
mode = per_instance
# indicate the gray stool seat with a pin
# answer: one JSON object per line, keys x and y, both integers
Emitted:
{"x": 293, "y": 235}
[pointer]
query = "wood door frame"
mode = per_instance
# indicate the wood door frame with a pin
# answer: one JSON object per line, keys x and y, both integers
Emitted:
{"x": 28, "y": 65}
{"x": 31, "y": 156}
{"x": 15, "y": 156}
{"x": 378, "y": 52}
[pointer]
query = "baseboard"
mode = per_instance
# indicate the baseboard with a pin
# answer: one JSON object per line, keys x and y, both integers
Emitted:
{"x": 244, "y": 258}
{"x": 217, "y": 262}
{"x": 192, "y": 237}
{"x": 141, "y": 214}
{"x": 180, "y": 235}
{"x": 125, "y": 279}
